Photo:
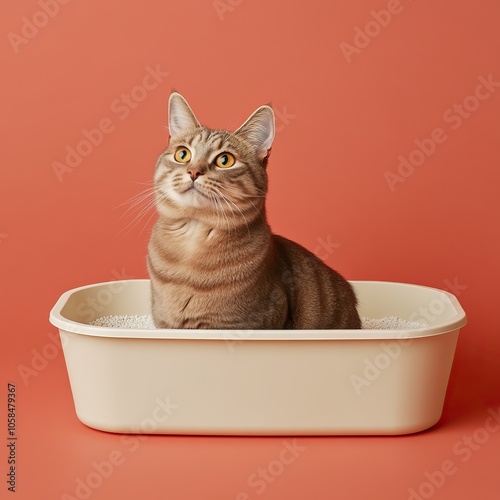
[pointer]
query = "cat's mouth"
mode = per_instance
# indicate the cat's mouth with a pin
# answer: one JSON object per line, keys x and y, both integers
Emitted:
{"x": 194, "y": 194}
{"x": 196, "y": 190}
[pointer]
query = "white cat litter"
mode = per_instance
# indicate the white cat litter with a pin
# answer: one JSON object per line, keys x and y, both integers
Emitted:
{"x": 125, "y": 321}
{"x": 146, "y": 322}
{"x": 390, "y": 323}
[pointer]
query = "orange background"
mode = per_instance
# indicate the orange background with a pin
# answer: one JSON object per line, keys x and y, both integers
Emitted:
{"x": 348, "y": 106}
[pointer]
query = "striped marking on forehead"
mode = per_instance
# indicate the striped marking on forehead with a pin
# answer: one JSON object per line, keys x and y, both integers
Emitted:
{"x": 207, "y": 140}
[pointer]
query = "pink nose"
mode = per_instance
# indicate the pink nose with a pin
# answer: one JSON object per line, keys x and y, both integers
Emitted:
{"x": 195, "y": 172}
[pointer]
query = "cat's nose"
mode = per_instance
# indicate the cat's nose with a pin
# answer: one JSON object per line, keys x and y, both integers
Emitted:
{"x": 195, "y": 172}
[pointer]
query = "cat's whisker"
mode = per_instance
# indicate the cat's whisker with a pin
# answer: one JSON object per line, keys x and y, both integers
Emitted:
{"x": 218, "y": 203}
{"x": 223, "y": 211}
{"x": 138, "y": 201}
{"x": 229, "y": 203}
{"x": 214, "y": 200}
{"x": 239, "y": 193}
{"x": 248, "y": 197}
{"x": 152, "y": 214}
{"x": 138, "y": 207}
{"x": 149, "y": 207}
{"x": 151, "y": 188}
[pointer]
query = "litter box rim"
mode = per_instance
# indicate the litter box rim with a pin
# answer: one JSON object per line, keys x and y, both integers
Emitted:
{"x": 65, "y": 324}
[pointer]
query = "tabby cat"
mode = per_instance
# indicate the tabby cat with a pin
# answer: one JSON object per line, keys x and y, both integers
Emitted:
{"x": 212, "y": 258}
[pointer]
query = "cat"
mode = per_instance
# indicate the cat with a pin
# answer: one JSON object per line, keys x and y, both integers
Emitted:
{"x": 212, "y": 258}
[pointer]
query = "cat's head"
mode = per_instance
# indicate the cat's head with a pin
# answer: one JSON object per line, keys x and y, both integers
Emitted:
{"x": 217, "y": 174}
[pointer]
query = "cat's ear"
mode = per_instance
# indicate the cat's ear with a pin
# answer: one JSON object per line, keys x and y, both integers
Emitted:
{"x": 259, "y": 130}
{"x": 180, "y": 116}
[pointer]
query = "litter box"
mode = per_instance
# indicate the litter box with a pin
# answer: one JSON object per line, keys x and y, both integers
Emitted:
{"x": 257, "y": 382}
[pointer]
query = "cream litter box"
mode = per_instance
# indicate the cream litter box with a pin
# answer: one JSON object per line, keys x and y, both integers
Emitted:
{"x": 257, "y": 382}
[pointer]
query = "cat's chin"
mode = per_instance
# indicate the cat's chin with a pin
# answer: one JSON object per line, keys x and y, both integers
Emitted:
{"x": 192, "y": 198}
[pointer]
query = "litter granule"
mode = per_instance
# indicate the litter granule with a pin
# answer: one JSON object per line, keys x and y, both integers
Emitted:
{"x": 145, "y": 322}
{"x": 125, "y": 321}
{"x": 389, "y": 323}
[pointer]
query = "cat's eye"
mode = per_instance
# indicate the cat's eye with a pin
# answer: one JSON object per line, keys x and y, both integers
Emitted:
{"x": 182, "y": 155}
{"x": 225, "y": 160}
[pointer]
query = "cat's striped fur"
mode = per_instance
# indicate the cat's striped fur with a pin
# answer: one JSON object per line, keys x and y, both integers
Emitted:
{"x": 212, "y": 258}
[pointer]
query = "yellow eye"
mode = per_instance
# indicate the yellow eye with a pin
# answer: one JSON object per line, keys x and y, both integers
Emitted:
{"x": 225, "y": 160}
{"x": 182, "y": 155}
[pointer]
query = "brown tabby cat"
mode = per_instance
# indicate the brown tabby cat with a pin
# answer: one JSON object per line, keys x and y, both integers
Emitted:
{"x": 212, "y": 259}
